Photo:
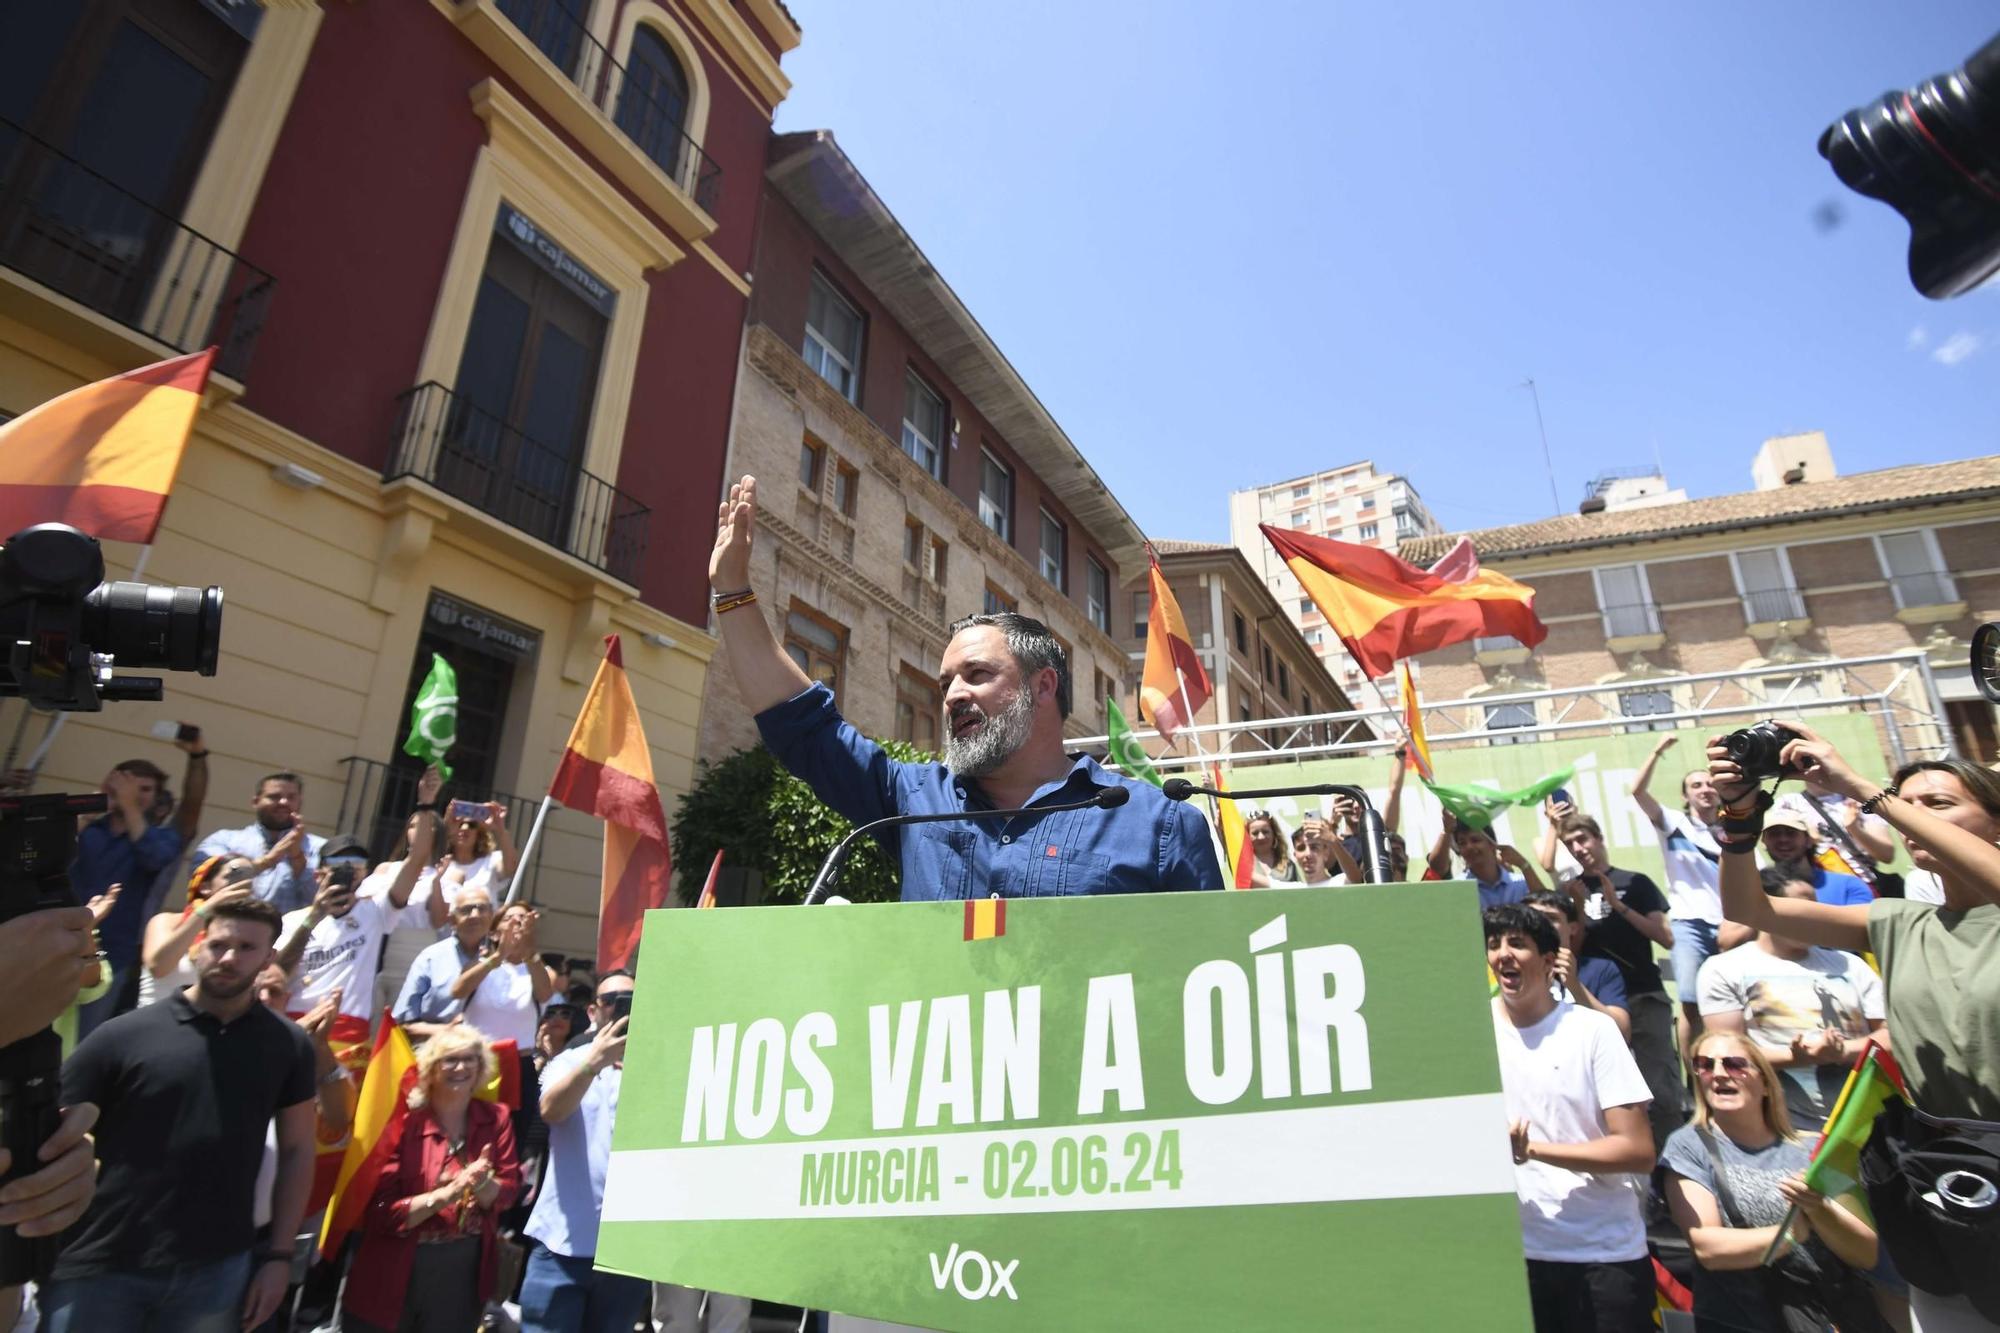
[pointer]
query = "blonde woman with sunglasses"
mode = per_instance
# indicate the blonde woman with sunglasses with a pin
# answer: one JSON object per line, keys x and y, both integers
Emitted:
{"x": 1731, "y": 1178}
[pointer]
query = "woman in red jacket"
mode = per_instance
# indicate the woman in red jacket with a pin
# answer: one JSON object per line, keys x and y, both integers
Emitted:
{"x": 427, "y": 1260}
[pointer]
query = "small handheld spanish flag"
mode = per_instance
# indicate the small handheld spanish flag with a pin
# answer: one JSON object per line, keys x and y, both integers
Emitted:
{"x": 985, "y": 918}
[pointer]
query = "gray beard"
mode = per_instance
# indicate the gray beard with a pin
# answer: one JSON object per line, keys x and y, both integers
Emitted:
{"x": 995, "y": 742}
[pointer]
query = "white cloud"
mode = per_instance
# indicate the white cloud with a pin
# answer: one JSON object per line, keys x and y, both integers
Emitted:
{"x": 1918, "y": 337}
{"x": 1956, "y": 348}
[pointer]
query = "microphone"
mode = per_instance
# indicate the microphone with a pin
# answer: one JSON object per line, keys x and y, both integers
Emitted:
{"x": 1180, "y": 789}
{"x": 1104, "y": 798}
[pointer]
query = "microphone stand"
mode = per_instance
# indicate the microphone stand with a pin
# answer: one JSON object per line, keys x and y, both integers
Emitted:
{"x": 1179, "y": 789}
{"x": 1104, "y": 798}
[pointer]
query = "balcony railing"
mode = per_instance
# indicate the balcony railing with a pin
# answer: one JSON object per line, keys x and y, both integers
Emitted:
{"x": 1928, "y": 588}
{"x": 1762, "y": 606}
{"x": 1637, "y": 618}
{"x": 1496, "y": 643}
{"x": 100, "y": 245}
{"x": 473, "y": 455}
{"x": 376, "y": 799}
{"x": 559, "y": 33}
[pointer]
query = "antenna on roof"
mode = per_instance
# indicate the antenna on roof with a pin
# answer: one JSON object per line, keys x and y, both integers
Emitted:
{"x": 1547, "y": 461}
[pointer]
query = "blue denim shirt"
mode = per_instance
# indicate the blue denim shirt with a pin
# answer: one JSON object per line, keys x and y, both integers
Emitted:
{"x": 104, "y": 858}
{"x": 1148, "y": 844}
{"x": 281, "y": 886}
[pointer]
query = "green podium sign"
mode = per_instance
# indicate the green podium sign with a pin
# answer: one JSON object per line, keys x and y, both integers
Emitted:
{"x": 1269, "y": 1109}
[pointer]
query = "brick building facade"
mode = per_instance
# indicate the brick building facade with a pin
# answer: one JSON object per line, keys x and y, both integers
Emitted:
{"x": 907, "y": 476}
{"x": 1809, "y": 568}
{"x": 1258, "y": 663}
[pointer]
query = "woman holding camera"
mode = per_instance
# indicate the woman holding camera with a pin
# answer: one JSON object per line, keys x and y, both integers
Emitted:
{"x": 1940, "y": 964}
{"x": 429, "y": 1256}
{"x": 166, "y": 965}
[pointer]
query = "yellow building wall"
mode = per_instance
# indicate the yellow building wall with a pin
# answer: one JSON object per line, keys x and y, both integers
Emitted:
{"x": 326, "y": 591}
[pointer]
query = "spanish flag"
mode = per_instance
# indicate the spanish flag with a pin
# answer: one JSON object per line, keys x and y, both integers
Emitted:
{"x": 1173, "y": 687}
{"x": 1385, "y": 609}
{"x": 607, "y": 771}
{"x": 985, "y": 918}
{"x": 378, "y": 1119}
{"x": 1235, "y": 832}
{"x": 102, "y": 458}
{"x": 1413, "y": 723}
{"x": 707, "y": 898}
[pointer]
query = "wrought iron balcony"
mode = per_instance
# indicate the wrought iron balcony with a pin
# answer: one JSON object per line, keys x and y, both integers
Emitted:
{"x": 558, "y": 32}
{"x": 376, "y": 799}
{"x": 100, "y": 245}
{"x": 442, "y": 438}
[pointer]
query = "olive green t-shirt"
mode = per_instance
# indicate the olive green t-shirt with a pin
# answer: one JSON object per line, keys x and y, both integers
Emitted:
{"x": 1941, "y": 983}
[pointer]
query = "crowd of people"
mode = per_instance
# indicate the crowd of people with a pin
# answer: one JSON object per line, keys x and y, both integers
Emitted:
{"x": 214, "y": 1050}
{"x": 213, "y": 1046}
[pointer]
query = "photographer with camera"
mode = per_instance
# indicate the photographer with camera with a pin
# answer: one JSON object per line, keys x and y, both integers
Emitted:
{"x": 1941, "y": 979}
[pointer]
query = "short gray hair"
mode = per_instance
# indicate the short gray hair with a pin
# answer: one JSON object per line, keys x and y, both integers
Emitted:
{"x": 1032, "y": 645}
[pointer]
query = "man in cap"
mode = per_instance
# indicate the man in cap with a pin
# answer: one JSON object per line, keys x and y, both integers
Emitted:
{"x": 1788, "y": 841}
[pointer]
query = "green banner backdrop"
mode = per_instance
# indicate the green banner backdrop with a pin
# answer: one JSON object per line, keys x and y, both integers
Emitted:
{"x": 1169, "y": 1111}
{"x": 1605, "y": 767}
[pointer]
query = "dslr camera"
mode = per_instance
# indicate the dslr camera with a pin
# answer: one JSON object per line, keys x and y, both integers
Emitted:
{"x": 1755, "y": 750}
{"x": 1932, "y": 153}
{"x": 65, "y": 627}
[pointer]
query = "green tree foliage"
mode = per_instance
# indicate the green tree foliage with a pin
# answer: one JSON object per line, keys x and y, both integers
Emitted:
{"x": 768, "y": 820}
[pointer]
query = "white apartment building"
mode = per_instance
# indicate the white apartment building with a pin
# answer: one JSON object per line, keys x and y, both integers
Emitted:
{"x": 1351, "y": 503}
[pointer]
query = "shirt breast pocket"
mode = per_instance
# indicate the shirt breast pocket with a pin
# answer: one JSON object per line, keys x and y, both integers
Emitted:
{"x": 937, "y": 863}
{"x": 1074, "y": 873}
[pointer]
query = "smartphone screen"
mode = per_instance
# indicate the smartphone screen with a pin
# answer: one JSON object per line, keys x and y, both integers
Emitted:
{"x": 472, "y": 810}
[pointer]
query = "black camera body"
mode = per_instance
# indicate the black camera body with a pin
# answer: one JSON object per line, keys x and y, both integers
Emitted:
{"x": 1932, "y": 153}
{"x": 65, "y": 626}
{"x": 1755, "y": 750}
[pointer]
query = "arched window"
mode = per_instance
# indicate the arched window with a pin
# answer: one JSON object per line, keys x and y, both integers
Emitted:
{"x": 654, "y": 105}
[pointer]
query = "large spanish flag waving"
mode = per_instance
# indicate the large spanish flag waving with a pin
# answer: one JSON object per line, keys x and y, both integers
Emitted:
{"x": 102, "y": 458}
{"x": 378, "y": 1117}
{"x": 1233, "y": 830}
{"x": 1385, "y": 608}
{"x": 1173, "y": 687}
{"x": 607, "y": 771}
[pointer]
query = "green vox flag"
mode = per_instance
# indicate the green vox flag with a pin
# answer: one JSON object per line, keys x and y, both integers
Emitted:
{"x": 1092, "y": 1112}
{"x": 1477, "y": 805}
{"x": 1125, "y": 749}
{"x": 434, "y": 716}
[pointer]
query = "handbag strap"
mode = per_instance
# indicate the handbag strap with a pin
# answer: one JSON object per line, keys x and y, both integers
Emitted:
{"x": 1723, "y": 1194}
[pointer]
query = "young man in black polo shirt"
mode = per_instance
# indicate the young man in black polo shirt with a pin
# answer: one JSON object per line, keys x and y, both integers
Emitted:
{"x": 1624, "y": 918}
{"x": 187, "y": 1087}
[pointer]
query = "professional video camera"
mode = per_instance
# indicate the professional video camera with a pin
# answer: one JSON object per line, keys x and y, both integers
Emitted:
{"x": 1932, "y": 153}
{"x": 66, "y": 631}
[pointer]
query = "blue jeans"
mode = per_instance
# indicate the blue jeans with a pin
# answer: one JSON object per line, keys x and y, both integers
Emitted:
{"x": 560, "y": 1294}
{"x": 1694, "y": 944}
{"x": 204, "y": 1299}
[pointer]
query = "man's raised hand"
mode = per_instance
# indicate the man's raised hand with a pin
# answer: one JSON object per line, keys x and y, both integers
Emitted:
{"x": 729, "y": 562}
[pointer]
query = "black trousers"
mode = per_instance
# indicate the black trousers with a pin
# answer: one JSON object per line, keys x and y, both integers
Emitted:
{"x": 443, "y": 1295}
{"x": 1592, "y": 1298}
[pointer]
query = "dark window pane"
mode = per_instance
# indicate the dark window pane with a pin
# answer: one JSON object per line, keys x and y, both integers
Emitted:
{"x": 492, "y": 360}
{"x": 141, "y": 110}
{"x": 32, "y": 38}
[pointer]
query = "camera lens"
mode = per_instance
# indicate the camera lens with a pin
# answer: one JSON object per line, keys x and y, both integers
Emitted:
{"x": 140, "y": 625}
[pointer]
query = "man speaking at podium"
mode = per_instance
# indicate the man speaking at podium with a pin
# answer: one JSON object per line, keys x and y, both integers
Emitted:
{"x": 1006, "y": 688}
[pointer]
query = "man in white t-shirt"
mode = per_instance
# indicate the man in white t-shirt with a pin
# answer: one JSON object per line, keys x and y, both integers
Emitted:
{"x": 1693, "y": 862}
{"x": 1809, "y": 1009}
{"x": 335, "y": 944}
{"x": 1576, "y": 1112}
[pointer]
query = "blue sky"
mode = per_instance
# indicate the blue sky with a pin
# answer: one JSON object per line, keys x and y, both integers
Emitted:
{"x": 1228, "y": 244}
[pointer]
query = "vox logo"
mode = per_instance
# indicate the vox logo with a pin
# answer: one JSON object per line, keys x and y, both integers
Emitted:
{"x": 974, "y": 1276}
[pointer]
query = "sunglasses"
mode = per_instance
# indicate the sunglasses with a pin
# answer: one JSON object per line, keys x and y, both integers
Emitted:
{"x": 1738, "y": 1065}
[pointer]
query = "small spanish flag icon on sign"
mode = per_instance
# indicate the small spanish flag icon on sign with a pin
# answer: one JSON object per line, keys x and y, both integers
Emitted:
{"x": 985, "y": 918}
